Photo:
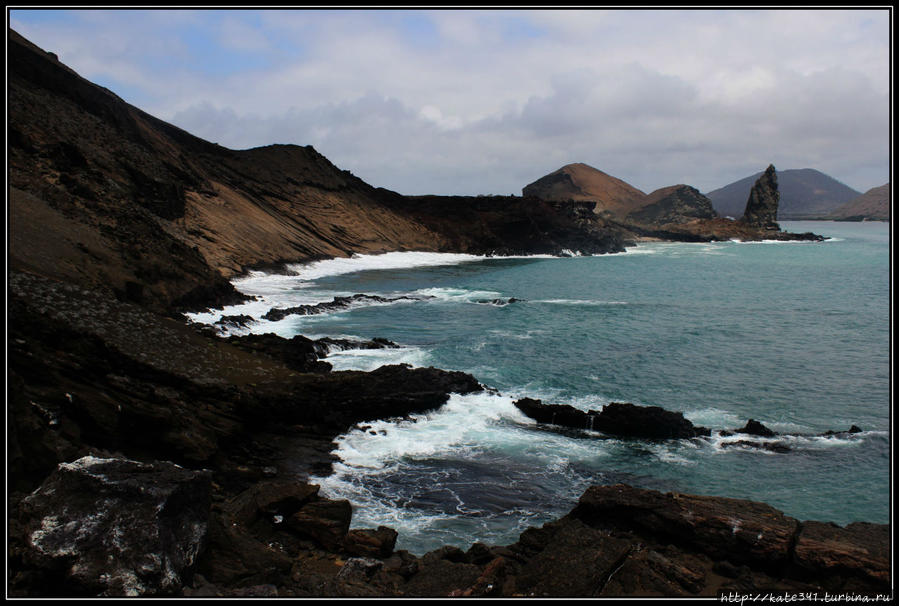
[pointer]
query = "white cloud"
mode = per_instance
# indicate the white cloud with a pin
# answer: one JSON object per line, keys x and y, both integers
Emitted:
{"x": 474, "y": 102}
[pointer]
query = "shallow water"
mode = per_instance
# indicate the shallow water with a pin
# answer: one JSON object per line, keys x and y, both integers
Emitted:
{"x": 795, "y": 335}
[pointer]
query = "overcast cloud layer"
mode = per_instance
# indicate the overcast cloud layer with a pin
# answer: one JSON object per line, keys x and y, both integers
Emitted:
{"x": 485, "y": 102}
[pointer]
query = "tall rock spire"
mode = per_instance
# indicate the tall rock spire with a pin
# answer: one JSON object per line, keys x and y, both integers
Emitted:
{"x": 761, "y": 208}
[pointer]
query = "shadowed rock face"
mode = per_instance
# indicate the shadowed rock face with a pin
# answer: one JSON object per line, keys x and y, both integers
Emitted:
{"x": 675, "y": 204}
{"x": 761, "y": 208}
{"x": 114, "y": 527}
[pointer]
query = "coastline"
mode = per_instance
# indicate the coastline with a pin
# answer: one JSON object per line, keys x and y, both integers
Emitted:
{"x": 258, "y": 448}
{"x": 148, "y": 457}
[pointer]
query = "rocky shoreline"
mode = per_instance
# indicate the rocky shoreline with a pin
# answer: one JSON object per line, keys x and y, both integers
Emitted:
{"x": 150, "y": 458}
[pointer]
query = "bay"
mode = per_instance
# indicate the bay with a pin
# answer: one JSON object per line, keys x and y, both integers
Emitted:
{"x": 793, "y": 334}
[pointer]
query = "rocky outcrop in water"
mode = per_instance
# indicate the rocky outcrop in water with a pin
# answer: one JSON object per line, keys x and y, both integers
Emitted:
{"x": 337, "y": 304}
{"x": 761, "y": 207}
{"x": 617, "y": 418}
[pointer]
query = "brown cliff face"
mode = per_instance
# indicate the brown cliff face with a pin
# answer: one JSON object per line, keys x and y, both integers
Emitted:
{"x": 107, "y": 196}
{"x": 761, "y": 208}
{"x": 614, "y": 197}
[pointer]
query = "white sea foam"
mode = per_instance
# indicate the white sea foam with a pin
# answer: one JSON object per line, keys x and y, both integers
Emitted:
{"x": 577, "y": 302}
{"x": 464, "y": 422}
{"x": 457, "y": 295}
{"x": 370, "y": 359}
{"x": 714, "y": 418}
{"x": 390, "y": 260}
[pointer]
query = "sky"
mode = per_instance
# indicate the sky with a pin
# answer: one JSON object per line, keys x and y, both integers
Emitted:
{"x": 468, "y": 102}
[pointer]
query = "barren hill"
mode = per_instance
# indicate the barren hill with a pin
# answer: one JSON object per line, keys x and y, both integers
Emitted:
{"x": 583, "y": 182}
{"x": 105, "y": 195}
{"x": 873, "y": 205}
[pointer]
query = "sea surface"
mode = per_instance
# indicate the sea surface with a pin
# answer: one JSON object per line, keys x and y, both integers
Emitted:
{"x": 793, "y": 334}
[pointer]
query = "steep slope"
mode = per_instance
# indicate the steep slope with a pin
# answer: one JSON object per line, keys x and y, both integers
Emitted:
{"x": 106, "y": 196}
{"x": 873, "y": 205}
{"x": 804, "y": 194}
{"x": 579, "y": 181}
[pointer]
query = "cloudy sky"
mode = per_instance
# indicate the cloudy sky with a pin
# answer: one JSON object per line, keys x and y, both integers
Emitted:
{"x": 485, "y": 102}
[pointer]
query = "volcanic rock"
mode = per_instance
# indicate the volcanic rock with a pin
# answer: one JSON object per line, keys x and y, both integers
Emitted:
{"x": 674, "y": 204}
{"x": 733, "y": 529}
{"x": 337, "y": 304}
{"x": 858, "y": 550}
{"x": 754, "y": 428}
{"x": 371, "y": 543}
{"x": 616, "y": 418}
{"x": 653, "y": 422}
{"x": 116, "y": 527}
{"x": 761, "y": 208}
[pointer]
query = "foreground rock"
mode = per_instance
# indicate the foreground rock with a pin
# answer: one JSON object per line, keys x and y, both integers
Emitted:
{"x": 114, "y": 527}
{"x": 87, "y": 371}
{"x": 280, "y": 538}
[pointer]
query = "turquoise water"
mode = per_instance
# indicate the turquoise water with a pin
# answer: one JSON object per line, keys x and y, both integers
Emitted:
{"x": 795, "y": 335}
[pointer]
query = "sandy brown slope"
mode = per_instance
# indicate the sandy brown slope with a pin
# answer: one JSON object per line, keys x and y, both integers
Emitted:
{"x": 107, "y": 196}
{"x": 580, "y": 181}
{"x": 873, "y": 205}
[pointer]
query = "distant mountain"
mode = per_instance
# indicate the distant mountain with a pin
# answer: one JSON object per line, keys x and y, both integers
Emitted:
{"x": 582, "y": 182}
{"x": 804, "y": 194}
{"x": 873, "y": 205}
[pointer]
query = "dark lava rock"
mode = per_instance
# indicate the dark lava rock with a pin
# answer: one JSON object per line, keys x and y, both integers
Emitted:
{"x": 115, "y": 527}
{"x": 298, "y": 352}
{"x": 366, "y": 542}
{"x": 675, "y": 204}
{"x": 337, "y": 304}
{"x": 853, "y": 429}
{"x": 858, "y": 550}
{"x": 761, "y": 208}
{"x": 734, "y": 529}
{"x": 653, "y": 422}
{"x": 617, "y": 418}
{"x": 325, "y": 522}
{"x": 555, "y": 414}
{"x": 238, "y": 321}
{"x": 754, "y": 428}
{"x": 328, "y": 344}
{"x": 778, "y": 447}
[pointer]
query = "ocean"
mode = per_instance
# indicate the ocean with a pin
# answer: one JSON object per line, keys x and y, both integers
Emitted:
{"x": 793, "y": 334}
